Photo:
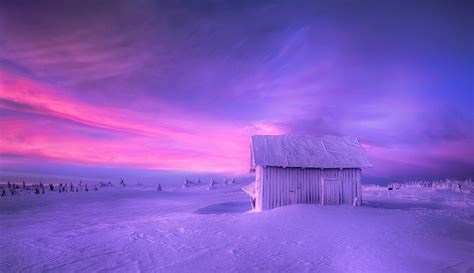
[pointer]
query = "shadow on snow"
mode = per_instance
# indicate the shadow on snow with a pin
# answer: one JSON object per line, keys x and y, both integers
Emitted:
{"x": 227, "y": 207}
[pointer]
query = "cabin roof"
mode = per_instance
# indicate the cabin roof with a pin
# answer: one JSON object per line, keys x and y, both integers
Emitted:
{"x": 307, "y": 151}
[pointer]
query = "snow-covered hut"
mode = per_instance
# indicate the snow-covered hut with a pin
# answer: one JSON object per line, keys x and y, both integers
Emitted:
{"x": 291, "y": 169}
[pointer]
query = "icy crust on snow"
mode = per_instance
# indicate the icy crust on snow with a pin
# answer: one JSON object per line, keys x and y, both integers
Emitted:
{"x": 137, "y": 229}
{"x": 307, "y": 151}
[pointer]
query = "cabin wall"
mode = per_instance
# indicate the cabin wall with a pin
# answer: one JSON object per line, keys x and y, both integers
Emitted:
{"x": 276, "y": 186}
{"x": 287, "y": 186}
{"x": 351, "y": 184}
{"x": 259, "y": 188}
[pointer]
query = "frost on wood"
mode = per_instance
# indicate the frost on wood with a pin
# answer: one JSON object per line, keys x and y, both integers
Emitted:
{"x": 307, "y": 152}
{"x": 276, "y": 187}
{"x": 306, "y": 170}
{"x": 250, "y": 190}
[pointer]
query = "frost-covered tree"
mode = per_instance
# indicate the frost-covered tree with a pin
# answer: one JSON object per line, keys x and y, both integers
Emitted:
{"x": 187, "y": 183}
{"x": 212, "y": 184}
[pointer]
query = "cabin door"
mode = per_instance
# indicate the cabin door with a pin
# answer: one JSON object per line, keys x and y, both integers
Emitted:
{"x": 295, "y": 192}
{"x": 331, "y": 190}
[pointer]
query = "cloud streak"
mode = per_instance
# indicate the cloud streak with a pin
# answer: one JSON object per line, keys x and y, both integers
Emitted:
{"x": 133, "y": 140}
{"x": 174, "y": 85}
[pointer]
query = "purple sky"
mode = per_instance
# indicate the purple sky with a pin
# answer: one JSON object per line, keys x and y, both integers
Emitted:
{"x": 93, "y": 86}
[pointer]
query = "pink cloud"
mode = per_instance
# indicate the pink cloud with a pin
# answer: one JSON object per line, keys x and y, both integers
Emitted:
{"x": 167, "y": 141}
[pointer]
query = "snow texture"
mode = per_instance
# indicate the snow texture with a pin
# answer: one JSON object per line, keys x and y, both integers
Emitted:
{"x": 137, "y": 229}
{"x": 307, "y": 152}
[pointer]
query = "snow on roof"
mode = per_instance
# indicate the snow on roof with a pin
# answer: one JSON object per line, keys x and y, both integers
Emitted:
{"x": 307, "y": 152}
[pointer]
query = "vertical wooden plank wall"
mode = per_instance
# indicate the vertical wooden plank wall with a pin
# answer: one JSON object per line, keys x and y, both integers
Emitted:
{"x": 359, "y": 187}
{"x": 258, "y": 188}
{"x": 286, "y": 186}
{"x": 351, "y": 184}
{"x": 278, "y": 186}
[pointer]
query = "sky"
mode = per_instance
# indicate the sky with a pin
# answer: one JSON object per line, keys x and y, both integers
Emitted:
{"x": 107, "y": 87}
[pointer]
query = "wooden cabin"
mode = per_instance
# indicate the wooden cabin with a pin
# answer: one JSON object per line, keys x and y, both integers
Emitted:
{"x": 291, "y": 169}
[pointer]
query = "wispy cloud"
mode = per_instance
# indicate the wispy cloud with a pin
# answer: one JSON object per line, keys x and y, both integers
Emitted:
{"x": 177, "y": 85}
{"x": 199, "y": 144}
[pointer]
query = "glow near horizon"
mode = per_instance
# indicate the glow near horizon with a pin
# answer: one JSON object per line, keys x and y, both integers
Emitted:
{"x": 165, "y": 95}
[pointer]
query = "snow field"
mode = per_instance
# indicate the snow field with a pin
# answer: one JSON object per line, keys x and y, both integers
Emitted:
{"x": 136, "y": 229}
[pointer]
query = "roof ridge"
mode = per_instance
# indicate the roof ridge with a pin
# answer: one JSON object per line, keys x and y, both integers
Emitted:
{"x": 308, "y": 151}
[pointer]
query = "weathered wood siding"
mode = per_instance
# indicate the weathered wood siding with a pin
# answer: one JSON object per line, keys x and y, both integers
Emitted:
{"x": 259, "y": 188}
{"x": 331, "y": 191}
{"x": 276, "y": 186}
{"x": 351, "y": 183}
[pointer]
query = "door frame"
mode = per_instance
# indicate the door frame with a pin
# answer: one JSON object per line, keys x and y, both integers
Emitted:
{"x": 332, "y": 179}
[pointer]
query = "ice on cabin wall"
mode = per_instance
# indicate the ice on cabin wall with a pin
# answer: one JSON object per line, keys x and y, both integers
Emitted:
{"x": 250, "y": 190}
{"x": 309, "y": 151}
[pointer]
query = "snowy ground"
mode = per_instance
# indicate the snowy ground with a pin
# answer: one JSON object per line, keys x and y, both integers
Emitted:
{"x": 194, "y": 230}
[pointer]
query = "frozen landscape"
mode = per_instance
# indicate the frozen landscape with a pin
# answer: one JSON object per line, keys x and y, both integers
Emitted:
{"x": 194, "y": 229}
{"x": 334, "y": 103}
